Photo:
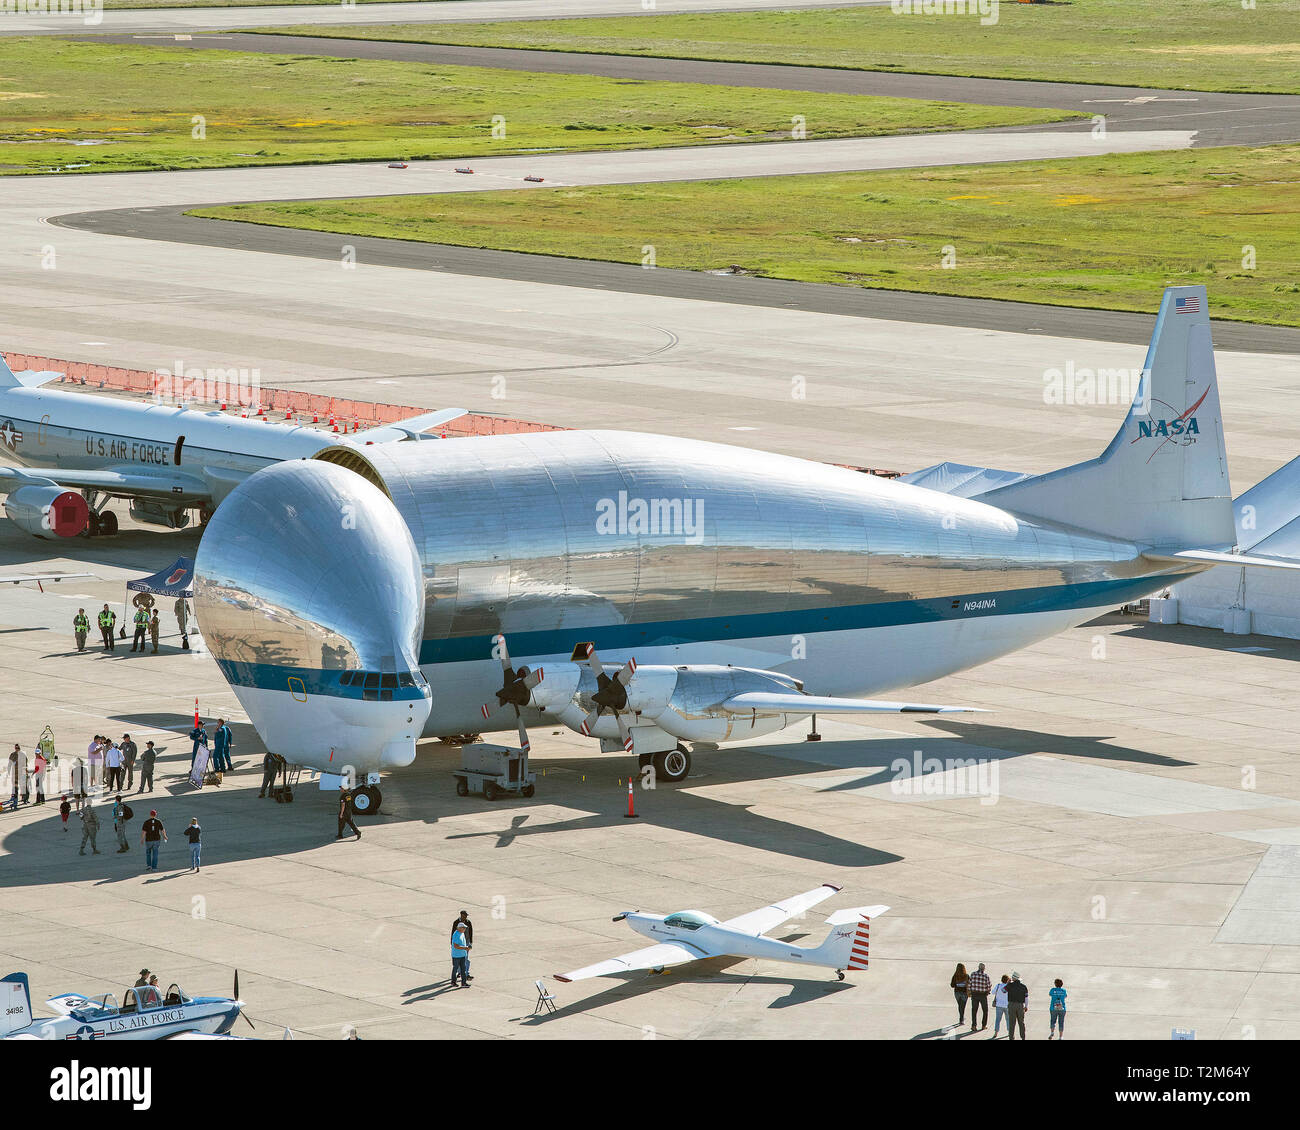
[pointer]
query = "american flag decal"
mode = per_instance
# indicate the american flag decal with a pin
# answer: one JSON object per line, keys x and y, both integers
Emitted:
{"x": 861, "y": 940}
{"x": 1187, "y": 305}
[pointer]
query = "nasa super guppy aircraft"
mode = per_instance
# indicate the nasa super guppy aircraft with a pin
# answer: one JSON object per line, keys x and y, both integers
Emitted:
{"x": 656, "y": 591}
{"x": 78, "y": 452}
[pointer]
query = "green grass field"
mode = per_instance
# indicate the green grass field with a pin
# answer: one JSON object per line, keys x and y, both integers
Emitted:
{"x": 1104, "y": 232}
{"x": 115, "y": 108}
{"x": 1196, "y": 44}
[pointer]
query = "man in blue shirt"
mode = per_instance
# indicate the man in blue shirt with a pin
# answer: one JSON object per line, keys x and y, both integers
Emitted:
{"x": 459, "y": 958}
{"x": 199, "y": 736}
{"x": 222, "y": 741}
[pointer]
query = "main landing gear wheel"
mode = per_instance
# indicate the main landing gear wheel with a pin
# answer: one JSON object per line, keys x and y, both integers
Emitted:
{"x": 107, "y": 523}
{"x": 840, "y": 974}
{"x": 365, "y": 800}
{"x": 673, "y": 766}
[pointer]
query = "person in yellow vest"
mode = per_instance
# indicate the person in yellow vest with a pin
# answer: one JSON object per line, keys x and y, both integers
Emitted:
{"x": 80, "y": 627}
{"x": 107, "y": 621}
{"x": 141, "y": 621}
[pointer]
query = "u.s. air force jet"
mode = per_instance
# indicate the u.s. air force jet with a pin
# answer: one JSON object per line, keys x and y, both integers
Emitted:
{"x": 656, "y": 591}
{"x": 692, "y": 935}
{"x": 77, "y": 452}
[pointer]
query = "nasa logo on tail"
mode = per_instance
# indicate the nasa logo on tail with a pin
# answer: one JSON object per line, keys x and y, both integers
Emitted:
{"x": 1181, "y": 429}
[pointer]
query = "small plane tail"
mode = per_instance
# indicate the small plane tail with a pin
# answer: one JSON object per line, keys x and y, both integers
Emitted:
{"x": 848, "y": 944}
{"x": 15, "y": 1000}
{"x": 1163, "y": 480}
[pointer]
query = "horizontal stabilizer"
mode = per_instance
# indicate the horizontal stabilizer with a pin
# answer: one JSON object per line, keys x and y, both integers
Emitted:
{"x": 795, "y": 703}
{"x": 853, "y": 913}
{"x": 414, "y": 427}
{"x": 962, "y": 480}
{"x": 28, "y": 378}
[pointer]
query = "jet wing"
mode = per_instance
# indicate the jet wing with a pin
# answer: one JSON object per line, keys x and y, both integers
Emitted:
{"x": 795, "y": 703}
{"x": 124, "y": 481}
{"x": 652, "y": 957}
{"x": 769, "y": 917}
{"x": 415, "y": 427}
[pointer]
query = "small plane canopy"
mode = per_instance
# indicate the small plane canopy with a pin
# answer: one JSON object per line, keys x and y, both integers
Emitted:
{"x": 690, "y": 919}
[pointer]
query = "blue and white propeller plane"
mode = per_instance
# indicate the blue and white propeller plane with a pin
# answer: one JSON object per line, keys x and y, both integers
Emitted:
{"x": 692, "y": 935}
{"x": 144, "y": 1014}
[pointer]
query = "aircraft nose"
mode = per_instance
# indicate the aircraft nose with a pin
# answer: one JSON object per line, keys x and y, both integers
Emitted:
{"x": 308, "y": 588}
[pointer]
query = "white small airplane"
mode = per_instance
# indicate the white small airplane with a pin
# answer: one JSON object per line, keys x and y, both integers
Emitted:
{"x": 691, "y": 935}
{"x": 144, "y": 1014}
{"x": 76, "y": 452}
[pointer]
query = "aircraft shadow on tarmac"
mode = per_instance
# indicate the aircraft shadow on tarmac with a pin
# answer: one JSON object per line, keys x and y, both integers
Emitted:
{"x": 1274, "y": 647}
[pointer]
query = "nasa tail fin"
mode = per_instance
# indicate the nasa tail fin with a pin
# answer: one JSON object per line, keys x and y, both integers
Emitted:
{"x": 848, "y": 944}
{"x": 1163, "y": 480}
{"x": 15, "y": 1004}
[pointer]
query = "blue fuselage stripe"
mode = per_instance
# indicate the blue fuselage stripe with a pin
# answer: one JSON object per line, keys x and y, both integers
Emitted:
{"x": 808, "y": 621}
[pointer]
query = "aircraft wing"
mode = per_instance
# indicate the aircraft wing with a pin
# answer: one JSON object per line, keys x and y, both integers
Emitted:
{"x": 38, "y": 578}
{"x": 769, "y": 917}
{"x": 414, "y": 427}
{"x": 67, "y": 1002}
{"x": 795, "y": 703}
{"x": 652, "y": 957}
{"x": 161, "y": 483}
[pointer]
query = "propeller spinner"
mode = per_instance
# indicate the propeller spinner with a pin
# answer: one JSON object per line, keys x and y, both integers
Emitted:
{"x": 516, "y": 688}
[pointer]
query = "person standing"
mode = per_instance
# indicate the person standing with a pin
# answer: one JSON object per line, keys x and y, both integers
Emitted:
{"x": 152, "y": 835}
{"x": 121, "y": 813}
{"x": 129, "y": 752}
{"x": 1000, "y": 1005}
{"x": 141, "y": 621}
{"x": 183, "y": 619}
{"x": 147, "y": 760}
{"x": 345, "y": 813}
{"x": 222, "y": 740}
{"x": 199, "y": 736}
{"x": 460, "y": 948}
{"x": 89, "y": 827}
{"x": 194, "y": 834}
{"x": 79, "y": 782}
{"x": 42, "y": 767}
{"x": 107, "y": 621}
{"x": 95, "y": 758}
{"x": 977, "y": 989}
{"x": 154, "y": 628}
{"x": 18, "y": 775}
{"x": 80, "y": 628}
{"x": 1017, "y": 1006}
{"x": 1056, "y": 1009}
{"x": 958, "y": 985}
{"x": 65, "y": 810}
{"x": 467, "y": 928}
{"x": 270, "y": 767}
{"x": 112, "y": 768}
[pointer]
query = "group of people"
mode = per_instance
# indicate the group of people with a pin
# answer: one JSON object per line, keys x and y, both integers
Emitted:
{"x": 145, "y": 624}
{"x": 153, "y": 833}
{"x": 108, "y": 765}
{"x": 1010, "y": 1002}
{"x": 218, "y": 760}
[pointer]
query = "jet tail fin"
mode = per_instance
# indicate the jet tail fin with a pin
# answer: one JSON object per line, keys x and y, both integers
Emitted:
{"x": 30, "y": 378}
{"x": 1163, "y": 480}
{"x": 15, "y": 1004}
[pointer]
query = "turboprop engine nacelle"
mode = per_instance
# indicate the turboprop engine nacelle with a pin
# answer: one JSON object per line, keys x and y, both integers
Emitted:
{"x": 47, "y": 511}
{"x": 685, "y": 702}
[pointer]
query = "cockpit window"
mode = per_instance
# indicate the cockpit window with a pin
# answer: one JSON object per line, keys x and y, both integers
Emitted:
{"x": 389, "y": 681}
{"x": 406, "y": 679}
{"x": 689, "y": 920}
{"x": 372, "y": 680}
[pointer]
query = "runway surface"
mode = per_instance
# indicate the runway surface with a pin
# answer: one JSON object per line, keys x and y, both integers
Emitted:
{"x": 447, "y": 11}
{"x": 1218, "y": 119}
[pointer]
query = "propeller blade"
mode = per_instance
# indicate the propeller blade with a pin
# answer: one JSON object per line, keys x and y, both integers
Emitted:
{"x": 236, "y": 984}
{"x": 523, "y": 737}
{"x": 594, "y": 661}
{"x": 534, "y": 677}
{"x": 487, "y": 711}
{"x": 504, "y": 652}
{"x": 250, "y": 1023}
{"x": 590, "y": 721}
{"x": 626, "y": 672}
{"x": 624, "y": 732}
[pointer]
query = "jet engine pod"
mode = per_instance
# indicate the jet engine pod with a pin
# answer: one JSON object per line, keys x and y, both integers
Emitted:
{"x": 47, "y": 511}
